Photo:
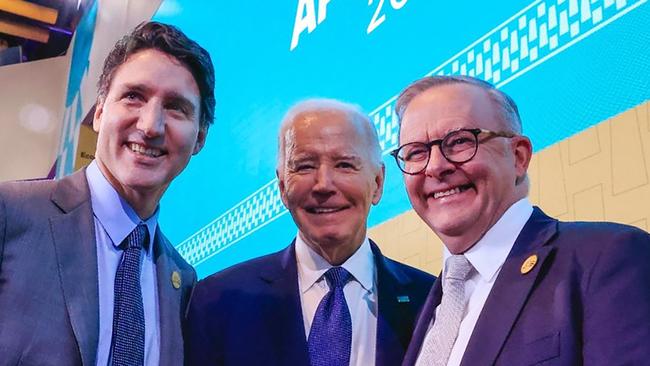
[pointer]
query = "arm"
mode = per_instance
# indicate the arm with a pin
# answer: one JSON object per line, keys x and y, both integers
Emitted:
{"x": 201, "y": 347}
{"x": 616, "y": 321}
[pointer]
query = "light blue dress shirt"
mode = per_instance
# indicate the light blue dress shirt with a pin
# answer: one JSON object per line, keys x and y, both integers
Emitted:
{"x": 114, "y": 220}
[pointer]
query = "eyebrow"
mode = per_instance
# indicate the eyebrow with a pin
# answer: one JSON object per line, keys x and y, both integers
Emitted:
{"x": 355, "y": 158}
{"x": 169, "y": 97}
{"x": 180, "y": 99}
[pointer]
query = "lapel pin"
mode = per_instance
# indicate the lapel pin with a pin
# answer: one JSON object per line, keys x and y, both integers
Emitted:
{"x": 176, "y": 280}
{"x": 403, "y": 298}
{"x": 529, "y": 264}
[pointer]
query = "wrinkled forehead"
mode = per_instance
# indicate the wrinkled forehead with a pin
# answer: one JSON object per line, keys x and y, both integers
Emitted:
{"x": 323, "y": 124}
{"x": 326, "y": 132}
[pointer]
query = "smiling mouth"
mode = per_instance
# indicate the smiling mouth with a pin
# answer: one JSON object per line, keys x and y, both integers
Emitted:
{"x": 451, "y": 192}
{"x": 145, "y": 151}
{"x": 324, "y": 210}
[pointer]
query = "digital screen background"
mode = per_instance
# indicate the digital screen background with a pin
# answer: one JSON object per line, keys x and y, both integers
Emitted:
{"x": 571, "y": 64}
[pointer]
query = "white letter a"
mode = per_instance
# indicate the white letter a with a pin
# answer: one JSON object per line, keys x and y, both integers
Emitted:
{"x": 306, "y": 8}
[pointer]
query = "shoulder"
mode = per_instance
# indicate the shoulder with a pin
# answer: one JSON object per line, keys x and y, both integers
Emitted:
{"x": 27, "y": 204}
{"x": 602, "y": 236}
{"x": 602, "y": 251}
{"x": 19, "y": 193}
{"x": 402, "y": 272}
{"x": 241, "y": 279}
{"x": 241, "y": 273}
{"x": 416, "y": 275}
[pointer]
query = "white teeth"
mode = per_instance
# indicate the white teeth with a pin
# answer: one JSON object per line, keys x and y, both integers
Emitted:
{"x": 154, "y": 153}
{"x": 437, "y": 195}
{"x": 324, "y": 210}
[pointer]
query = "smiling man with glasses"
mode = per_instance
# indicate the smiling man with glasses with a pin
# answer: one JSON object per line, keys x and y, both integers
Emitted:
{"x": 518, "y": 287}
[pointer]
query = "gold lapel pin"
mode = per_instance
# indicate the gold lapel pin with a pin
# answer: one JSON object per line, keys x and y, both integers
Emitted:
{"x": 176, "y": 280}
{"x": 529, "y": 264}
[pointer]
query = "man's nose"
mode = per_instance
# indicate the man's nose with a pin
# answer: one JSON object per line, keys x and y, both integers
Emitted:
{"x": 324, "y": 183}
{"x": 438, "y": 166}
{"x": 151, "y": 120}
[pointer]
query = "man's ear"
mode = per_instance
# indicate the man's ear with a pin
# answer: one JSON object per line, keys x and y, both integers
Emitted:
{"x": 379, "y": 181}
{"x": 523, "y": 152}
{"x": 200, "y": 140}
{"x": 97, "y": 116}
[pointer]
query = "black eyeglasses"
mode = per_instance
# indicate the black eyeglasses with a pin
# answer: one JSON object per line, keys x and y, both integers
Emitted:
{"x": 459, "y": 146}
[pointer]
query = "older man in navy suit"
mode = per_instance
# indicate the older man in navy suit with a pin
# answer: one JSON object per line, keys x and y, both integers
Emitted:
{"x": 517, "y": 287}
{"x": 331, "y": 297}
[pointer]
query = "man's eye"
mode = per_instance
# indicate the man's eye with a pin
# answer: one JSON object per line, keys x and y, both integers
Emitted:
{"x": 176, "y": 107}
{"x": 132, "y": 96}
{"x": 303, "y": 167}
{"x": 345, "y": 165}
{"x": 416, "y": 154}
{"x": 459, "y": 141}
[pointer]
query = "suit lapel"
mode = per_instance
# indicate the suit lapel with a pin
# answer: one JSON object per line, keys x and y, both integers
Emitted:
{"x": 510, "y": 291}
{"x": 286, "y": 312}
{"x": 169, "y": 301}
{"x": 73, "y": 235}
{"x": 395, "y": 311}
{"x": 426, "y": 317}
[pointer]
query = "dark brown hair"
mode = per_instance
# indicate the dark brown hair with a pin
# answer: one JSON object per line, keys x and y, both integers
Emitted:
{"x": 170, "y": 40}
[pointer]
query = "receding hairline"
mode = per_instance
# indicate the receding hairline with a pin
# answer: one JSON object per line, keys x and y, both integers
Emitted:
{"x": 505, "y": 105}
{"x": 353, "y": 113}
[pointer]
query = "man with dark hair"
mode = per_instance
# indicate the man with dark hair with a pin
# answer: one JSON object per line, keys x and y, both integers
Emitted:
{"x": 517, "y": 287}
{"x": 331, "y": 297}
{"x": 86, "y": 275}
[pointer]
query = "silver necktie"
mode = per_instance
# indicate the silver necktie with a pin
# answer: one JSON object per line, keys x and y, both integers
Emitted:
{"x": 440, "y": 337}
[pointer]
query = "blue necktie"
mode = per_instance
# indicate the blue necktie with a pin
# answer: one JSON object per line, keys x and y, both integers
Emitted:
{"x": 127, "y": 348}
{"x": 330, "y": 337}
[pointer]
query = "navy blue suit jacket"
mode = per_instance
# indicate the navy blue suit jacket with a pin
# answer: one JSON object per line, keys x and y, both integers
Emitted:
{"x": 586, "y": 301}
{"x": 250, "y": 314}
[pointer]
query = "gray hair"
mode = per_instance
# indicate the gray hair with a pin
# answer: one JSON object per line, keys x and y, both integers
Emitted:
{"x": 352, "y": 111}
{"x": 507, "y": 106}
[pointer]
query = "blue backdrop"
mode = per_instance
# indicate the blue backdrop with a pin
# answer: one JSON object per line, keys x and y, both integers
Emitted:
{"x": 569, "y": 64}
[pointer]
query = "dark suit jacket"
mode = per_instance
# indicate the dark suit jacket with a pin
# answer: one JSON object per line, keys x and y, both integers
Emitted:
{"x": 250, "y": 314}
{"x": 49, "y": 309}
{"x": 586, "y": 301}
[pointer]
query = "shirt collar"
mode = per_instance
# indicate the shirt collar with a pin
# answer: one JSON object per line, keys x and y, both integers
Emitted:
{"x": 115, "y": 215}
{"x": 488, "y": 254}
{"x": 311, "y": 266}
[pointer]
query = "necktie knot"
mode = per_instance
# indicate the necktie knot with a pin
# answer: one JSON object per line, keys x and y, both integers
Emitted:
{"x": 458, "y": 267}
{"x": 337, "y": 277}
{"x": 137, "y": 238}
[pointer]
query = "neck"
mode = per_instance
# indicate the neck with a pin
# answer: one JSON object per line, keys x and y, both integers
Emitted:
{"x": 334, "y": 253}
{"x": 143, "y": 201}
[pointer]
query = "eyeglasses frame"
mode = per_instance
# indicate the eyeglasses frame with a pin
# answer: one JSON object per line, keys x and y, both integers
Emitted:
{"x": 429, "y": 145}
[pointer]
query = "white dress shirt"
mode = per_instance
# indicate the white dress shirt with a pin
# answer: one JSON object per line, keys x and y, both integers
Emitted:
{"x": 360, "y": 294}
{"x": 487, "y": 258}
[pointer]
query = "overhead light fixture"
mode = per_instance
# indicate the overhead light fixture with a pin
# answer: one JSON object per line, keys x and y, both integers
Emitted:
{"x": 30, "y": 10}
{"x": 24, "y": 31}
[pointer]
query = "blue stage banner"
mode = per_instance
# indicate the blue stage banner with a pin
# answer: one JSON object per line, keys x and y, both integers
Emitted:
{"x": 569, "y": 64}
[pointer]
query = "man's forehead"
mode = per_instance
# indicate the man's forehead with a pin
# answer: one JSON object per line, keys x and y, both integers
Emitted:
{"x": 458, "y": 103}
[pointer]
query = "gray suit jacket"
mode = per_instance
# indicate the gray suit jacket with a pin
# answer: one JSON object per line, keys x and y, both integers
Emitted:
{"x": 49, "y": 309}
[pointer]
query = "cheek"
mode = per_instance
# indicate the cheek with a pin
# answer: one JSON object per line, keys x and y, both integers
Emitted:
{"x": 294, "y": 189}
{"x": 413, "y": 184}
{"x": 183, "y": 137}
